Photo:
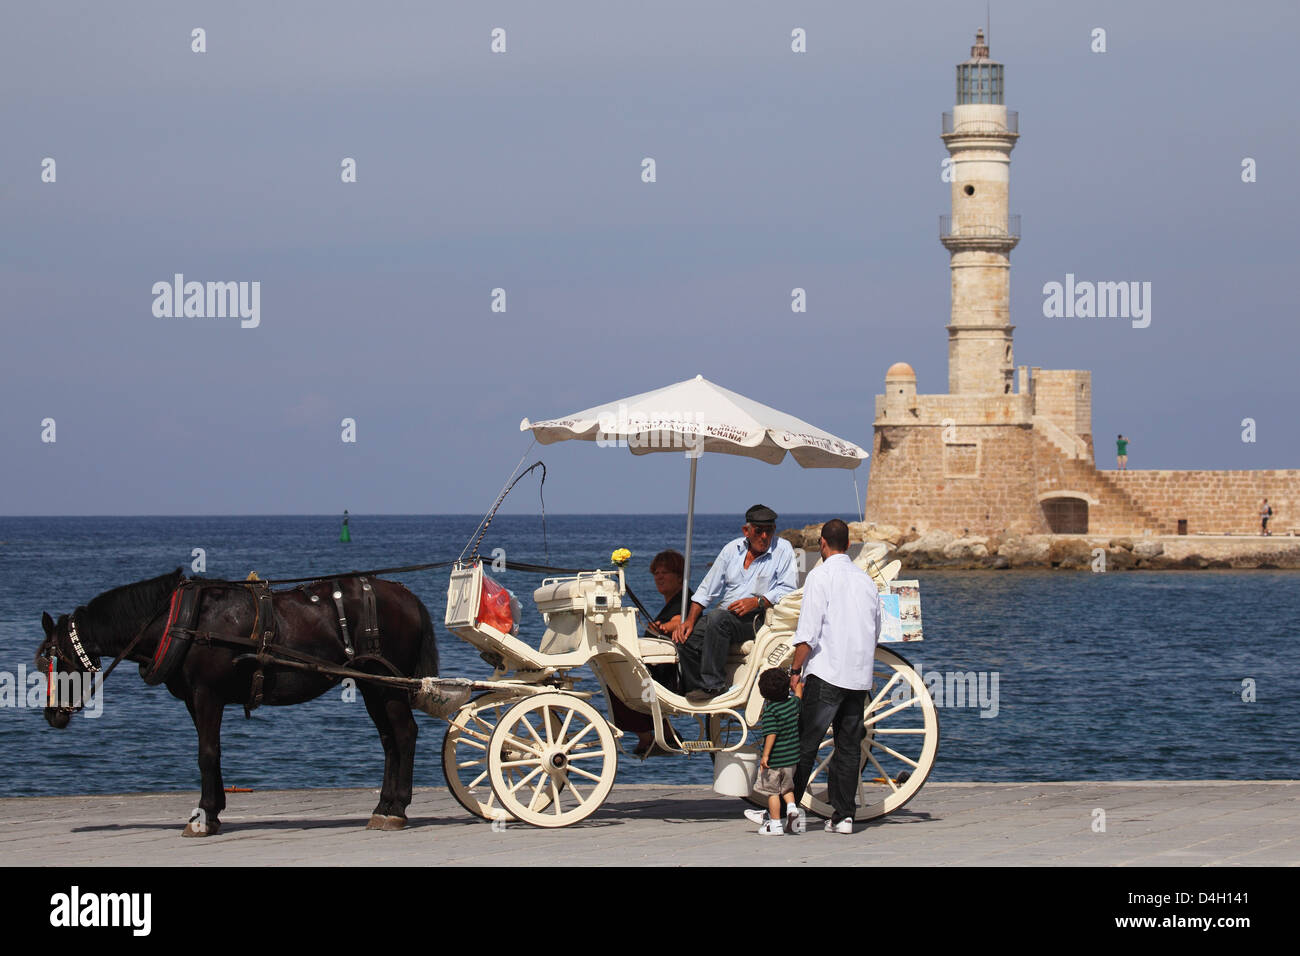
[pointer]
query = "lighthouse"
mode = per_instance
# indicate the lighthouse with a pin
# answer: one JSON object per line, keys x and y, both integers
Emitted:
{"x": 1008, "y": 450}
{"x": 980, "y": 233}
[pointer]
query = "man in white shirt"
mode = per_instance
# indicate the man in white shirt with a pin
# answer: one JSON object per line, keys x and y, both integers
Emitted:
{"x": 834, "y": 654}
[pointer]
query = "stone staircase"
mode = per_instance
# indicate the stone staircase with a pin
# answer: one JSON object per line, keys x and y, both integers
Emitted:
{"x": 1116, "y": 512}
{"x": 1071, "y": 446}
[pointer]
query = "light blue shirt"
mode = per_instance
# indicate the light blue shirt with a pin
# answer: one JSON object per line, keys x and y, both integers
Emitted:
{"x": 839, "y": 620}
{"x": 771, "y": 574}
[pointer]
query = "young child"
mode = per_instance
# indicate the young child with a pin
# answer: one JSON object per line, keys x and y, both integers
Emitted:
{"x": 779, "y": 731}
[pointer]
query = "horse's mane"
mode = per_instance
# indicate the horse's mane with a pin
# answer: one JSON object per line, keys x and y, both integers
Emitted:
{"x": 130, "y": 604}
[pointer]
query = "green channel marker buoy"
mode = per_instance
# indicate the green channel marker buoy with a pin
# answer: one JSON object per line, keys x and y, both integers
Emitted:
{"x": 345, "y": 535}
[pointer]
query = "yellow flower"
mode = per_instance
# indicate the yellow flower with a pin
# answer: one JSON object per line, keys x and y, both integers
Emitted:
{"x": 621, "y": 557}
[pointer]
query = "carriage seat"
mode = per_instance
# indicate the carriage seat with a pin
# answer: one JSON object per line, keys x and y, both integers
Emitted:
{"x": 557, "y": 595}
{"x": 784, "y": 616}
{"x": 659, "y": 650}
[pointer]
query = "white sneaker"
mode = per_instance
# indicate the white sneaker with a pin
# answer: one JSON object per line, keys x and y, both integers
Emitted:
{"x": 844, "y": 826}
{"x": 755, "y": 815}
{"x": 771, "y": 828}
{"x": 796, "y": 821}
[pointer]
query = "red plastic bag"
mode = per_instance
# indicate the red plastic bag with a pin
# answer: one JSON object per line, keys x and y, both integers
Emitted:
{"x": 494, "y": 607}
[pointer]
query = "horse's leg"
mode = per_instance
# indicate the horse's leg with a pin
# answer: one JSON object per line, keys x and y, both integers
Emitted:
{"x": 380, "y": 817}
{"x": 206, "y": 709}
{"x": 391, "y": 713}
{"x": 405, "y": 731}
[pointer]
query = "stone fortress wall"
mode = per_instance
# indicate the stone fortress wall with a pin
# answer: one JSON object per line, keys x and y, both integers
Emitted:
{"x": 981, "y": 483}
{"x": 1215, "y": 502}
{"x": 1022, "y": 463}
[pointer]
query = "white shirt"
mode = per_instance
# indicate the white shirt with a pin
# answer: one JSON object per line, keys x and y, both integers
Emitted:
{"x": 839, "y": 621}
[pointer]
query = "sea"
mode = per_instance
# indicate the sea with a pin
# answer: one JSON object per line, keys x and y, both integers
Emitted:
{"x": 1170, "y": 675}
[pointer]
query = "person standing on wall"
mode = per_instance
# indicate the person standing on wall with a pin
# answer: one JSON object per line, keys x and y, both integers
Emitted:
{"x": 1121, "y": 452}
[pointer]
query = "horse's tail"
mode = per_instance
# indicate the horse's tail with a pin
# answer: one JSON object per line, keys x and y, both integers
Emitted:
{"x": 428, "y": 662}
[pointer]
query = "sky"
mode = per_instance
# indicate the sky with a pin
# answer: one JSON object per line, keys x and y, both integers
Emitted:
{"x": 522, "y": 170}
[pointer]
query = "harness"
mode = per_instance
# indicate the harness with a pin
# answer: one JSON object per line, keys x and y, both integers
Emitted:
{"x": 181, "y": 633}
{"x": 177, "y": 635}
{"x": 367, "y": 646}
{"x": 264, "y": 634}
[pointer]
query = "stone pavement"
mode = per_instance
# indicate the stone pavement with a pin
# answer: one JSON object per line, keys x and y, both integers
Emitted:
{"x": 1161, "y": 823}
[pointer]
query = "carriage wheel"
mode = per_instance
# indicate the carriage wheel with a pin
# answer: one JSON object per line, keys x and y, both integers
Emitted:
{"x": 464, "y": 755}
{"x": 552, "y": 760}
{"x": 902, "y": 738}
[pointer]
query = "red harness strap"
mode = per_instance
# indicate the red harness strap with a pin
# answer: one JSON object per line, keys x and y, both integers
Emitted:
{"x": 165, "y": 641}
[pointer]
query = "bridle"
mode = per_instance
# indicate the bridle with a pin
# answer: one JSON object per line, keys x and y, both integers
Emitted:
{"x": 49, "y": 654}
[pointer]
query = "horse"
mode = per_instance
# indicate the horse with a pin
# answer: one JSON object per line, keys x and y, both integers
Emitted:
{"x": 214, "y": 643}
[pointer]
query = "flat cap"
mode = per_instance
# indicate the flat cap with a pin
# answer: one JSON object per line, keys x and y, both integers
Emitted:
{"x": 760, "y": 514}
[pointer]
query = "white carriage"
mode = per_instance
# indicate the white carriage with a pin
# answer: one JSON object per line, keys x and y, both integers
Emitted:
{"x": 536, "y": 748}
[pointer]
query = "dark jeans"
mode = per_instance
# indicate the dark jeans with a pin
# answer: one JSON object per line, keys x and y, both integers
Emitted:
{"x": 703, "y": 657}
{"x": 825, "y": 705}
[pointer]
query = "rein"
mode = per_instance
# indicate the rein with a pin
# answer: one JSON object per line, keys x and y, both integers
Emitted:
{"x": 373, "y": 572}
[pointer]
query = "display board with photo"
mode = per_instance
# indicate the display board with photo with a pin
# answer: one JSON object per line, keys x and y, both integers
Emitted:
{"x": 900, "y": 613}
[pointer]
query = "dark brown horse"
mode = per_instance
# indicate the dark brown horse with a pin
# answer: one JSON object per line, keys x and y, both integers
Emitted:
{"x": 220, "y": 660}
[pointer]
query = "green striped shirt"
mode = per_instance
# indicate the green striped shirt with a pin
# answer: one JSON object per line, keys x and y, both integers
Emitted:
{"x": 781, "y": 718}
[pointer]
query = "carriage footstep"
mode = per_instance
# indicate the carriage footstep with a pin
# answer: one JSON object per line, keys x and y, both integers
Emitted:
{"x": 379, "y": 821}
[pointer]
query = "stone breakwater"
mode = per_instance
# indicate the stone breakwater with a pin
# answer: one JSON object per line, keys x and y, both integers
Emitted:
{"x": 1078, "y": 552}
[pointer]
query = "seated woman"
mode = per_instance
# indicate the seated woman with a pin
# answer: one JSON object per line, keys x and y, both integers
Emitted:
{"x": 667, "y": 568}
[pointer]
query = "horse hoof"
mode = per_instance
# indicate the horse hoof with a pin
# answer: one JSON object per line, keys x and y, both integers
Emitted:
{"x": 376, "y": 821}
{"x": 395, "y": 823}
{"x": 195, "y": 829}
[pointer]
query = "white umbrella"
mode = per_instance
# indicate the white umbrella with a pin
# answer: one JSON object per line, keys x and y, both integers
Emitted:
{"x": 697, "y": 416}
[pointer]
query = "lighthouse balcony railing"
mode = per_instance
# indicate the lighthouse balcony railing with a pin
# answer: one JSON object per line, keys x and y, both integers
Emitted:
{"x": 976, "y": 126}
{"x": 1008, "y": 228}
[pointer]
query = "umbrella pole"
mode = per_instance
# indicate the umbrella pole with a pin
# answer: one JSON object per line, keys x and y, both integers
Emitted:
{"x": 690, "y": 532}
{"x": 686, "y": 571}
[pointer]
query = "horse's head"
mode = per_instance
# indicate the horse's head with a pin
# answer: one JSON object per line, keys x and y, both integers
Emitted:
{"x": 70, "y": 665}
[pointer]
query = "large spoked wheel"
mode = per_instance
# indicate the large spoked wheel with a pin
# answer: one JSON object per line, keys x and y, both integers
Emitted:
{"x": 464, "y": 755}
{"x": 898, "y": 749}
{"x": 552, "y": 760}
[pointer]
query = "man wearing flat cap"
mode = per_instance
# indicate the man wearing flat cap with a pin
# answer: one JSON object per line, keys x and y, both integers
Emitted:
{"x": 750, "y": 575}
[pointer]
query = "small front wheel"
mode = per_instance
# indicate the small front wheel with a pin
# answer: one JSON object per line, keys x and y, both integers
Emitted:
{"x": 464, "y": 754}
{"x": 552, "y": 760}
